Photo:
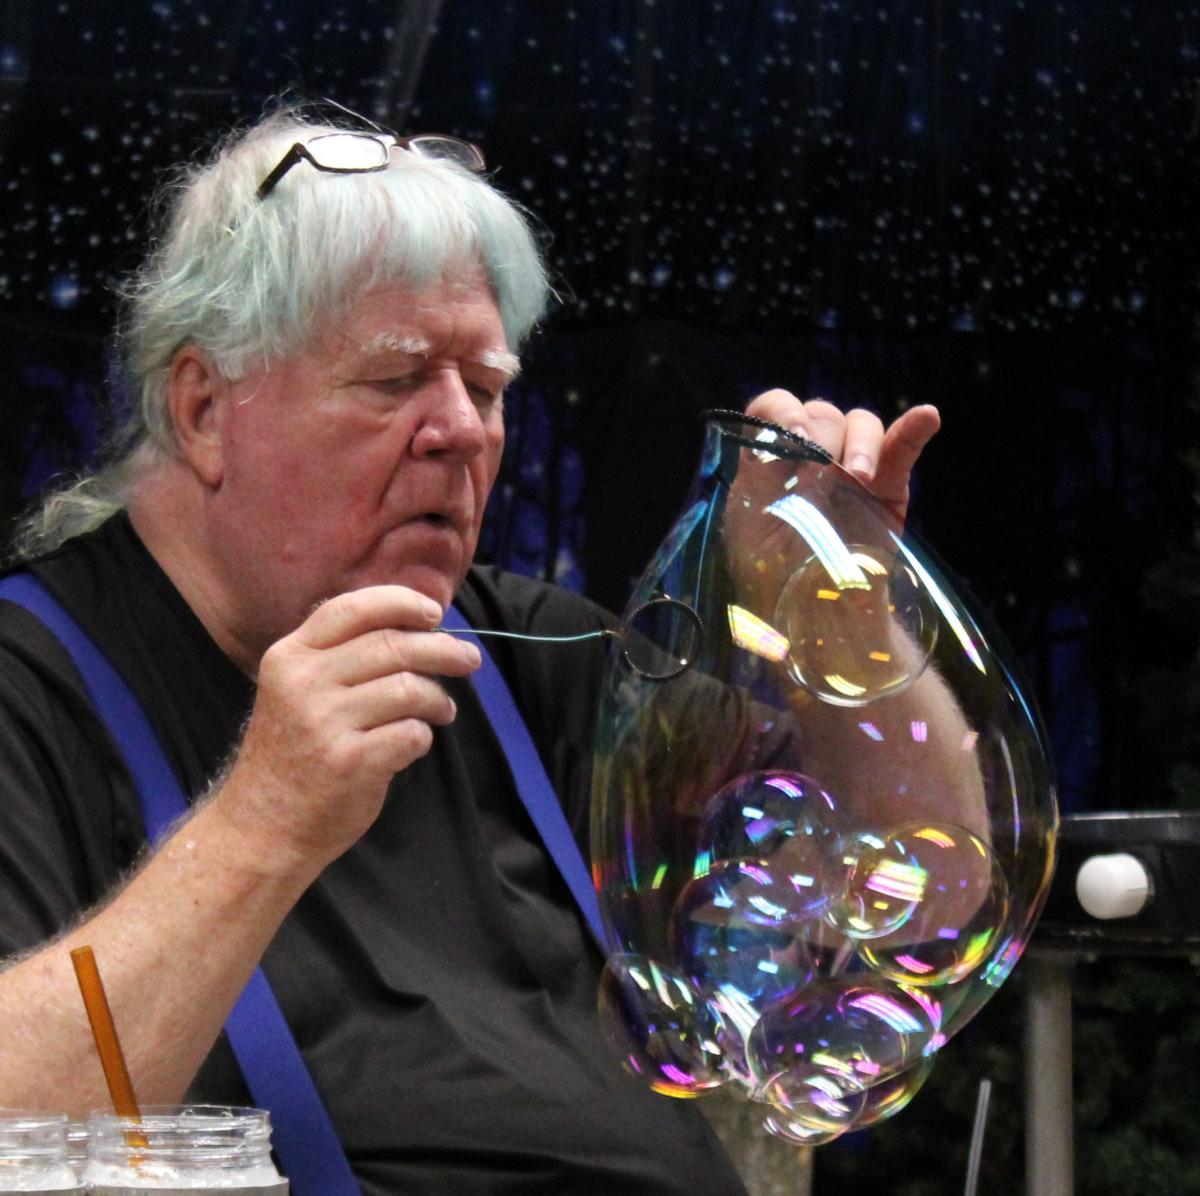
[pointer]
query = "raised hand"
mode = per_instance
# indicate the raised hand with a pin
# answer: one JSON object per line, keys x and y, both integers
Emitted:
{"x": 345, "y": 702}
{"x": 881, "y": 458}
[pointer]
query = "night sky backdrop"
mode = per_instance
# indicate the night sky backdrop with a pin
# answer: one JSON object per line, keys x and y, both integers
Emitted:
{"x": 987, "y": 205}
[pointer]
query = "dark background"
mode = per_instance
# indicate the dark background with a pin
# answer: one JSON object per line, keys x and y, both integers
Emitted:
{"x": 986, "y": 204}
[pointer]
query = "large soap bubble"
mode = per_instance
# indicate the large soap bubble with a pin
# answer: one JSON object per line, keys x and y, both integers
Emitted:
{"x": 859, "y": 624}
{"x": 729, "y": 931}
{"x": 656, "y": 1019}
{"x": 822, "y": 843}
{"x": 785, "y": 821}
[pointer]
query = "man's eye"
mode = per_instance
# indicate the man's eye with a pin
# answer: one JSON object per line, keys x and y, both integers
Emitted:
{"x": 393, "y": 386}
{"x": 485, "y": 397}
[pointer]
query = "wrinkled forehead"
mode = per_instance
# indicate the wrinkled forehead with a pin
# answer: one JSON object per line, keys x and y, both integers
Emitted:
{"x": 458, "y": 316}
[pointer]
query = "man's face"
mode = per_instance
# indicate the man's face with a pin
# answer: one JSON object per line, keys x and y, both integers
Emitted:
{"x": 365, "y": 459}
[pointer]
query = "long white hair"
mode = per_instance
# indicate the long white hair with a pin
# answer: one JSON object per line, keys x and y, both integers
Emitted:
{"x": 250, "y": 280}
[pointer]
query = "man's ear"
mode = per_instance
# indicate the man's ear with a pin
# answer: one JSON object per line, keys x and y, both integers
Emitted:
{"x": 195, "y": 390}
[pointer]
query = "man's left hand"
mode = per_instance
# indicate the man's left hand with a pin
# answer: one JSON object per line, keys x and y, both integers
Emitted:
{"x": 881, "y": 458}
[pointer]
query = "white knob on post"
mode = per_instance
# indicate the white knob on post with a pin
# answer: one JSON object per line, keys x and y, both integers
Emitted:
{"x": 1113, "y": 886}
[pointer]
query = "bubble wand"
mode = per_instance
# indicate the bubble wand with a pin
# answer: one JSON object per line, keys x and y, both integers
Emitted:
{"x": 108, "y": 1045}
{"x": 659, "y": 640}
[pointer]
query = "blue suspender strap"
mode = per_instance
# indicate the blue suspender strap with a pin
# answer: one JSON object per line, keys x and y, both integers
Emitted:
{"x": 536, "y": 793}
{"x": 271, "y": 1063}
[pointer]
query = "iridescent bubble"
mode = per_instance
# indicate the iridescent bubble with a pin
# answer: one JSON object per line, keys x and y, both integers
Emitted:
{"x": 957, "y": 920}
{"x": 859, "y": 622}
{"x": 825, "y": 1095}
{"x": 845, "y": 714}
{"x": 660, "y": 1026}
{"x": 864, "y": 1023}
{"x": 880, "y": 886}
{"x": 736, "y": 1015}
{"x": 789, "y": 1129}
{"x": 727, "y": 933}
{"x": 886, "y": 1098}
{"x": 784, "y": 819}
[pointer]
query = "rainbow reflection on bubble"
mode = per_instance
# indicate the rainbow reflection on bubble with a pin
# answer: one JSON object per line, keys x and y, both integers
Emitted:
{"x": 865, "y": 1025}
{"x": 729, "y": 933}
{"x": 659, "y": 1025}
{"x": 823, "y": 1095}
{"x": 756, "y": 635}
{"x": 783, "y": 823}
{"x": 954, "y": 923}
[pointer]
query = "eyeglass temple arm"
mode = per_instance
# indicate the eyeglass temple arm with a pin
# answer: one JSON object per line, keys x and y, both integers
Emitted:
{"x": 285, "y": 164}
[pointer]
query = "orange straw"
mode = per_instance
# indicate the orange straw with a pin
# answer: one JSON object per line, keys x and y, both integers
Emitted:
{"x": 108, "y": 1046}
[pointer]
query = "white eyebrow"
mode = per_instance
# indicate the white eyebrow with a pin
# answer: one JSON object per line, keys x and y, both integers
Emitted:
{"x": 501, "y": 360}
{"x": 509, "y": 364}
{"x": 413, "y": 346}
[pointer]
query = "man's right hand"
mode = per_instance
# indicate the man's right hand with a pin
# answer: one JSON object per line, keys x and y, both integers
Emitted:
{"x": 345, "y": 702}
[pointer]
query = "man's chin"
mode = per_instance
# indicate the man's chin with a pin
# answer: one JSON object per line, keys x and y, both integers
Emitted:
{"x": 440, "y": 584}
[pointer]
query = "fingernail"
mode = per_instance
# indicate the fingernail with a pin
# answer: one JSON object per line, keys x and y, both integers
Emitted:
{"x": 860, "y": 464}
{"x": 474, "y": 654}
{"x": 431, "y": 611}
{"x": 453, "y": 707}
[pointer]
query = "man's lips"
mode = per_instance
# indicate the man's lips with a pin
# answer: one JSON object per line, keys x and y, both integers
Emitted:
{"x": 438, "y": 524}
{"x": 441, "y": 519}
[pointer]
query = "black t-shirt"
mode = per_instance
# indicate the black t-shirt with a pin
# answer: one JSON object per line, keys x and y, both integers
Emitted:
{"x": 438, "y": 978}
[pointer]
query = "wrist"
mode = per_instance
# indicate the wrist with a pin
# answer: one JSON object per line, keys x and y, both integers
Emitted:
{"x": 255, "y": 847}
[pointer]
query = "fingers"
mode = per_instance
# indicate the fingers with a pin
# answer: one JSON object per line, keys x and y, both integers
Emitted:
{"x": 881, "y": 458}
{"x": 863, "y": 444}
{"x": 818, "y": 421}
{"x": 903, "y": 443}
{"x": 368, "y": 658}
{"x": 344, "y": 703}
{"x": 390, "y": 650}
{"x": 397, "y": 697}
{"x": 351, "y": 615}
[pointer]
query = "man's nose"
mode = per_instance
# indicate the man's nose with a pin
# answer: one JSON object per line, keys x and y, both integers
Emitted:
{"x": 451, "y": 422}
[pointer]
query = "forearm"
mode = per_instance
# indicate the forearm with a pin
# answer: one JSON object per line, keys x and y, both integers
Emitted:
{"x": 902, "y": 759}
{"x": 344, "y": 704}
{"x": 175, "y": 946}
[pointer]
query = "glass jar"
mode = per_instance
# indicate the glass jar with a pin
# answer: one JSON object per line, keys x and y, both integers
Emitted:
{"x": 183, "y": 1149}
{"x": 33, "y": 1153}
{"x": 77, "y": 1147}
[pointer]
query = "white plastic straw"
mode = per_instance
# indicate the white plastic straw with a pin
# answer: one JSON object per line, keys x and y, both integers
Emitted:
{"x": 977, "y": 1132}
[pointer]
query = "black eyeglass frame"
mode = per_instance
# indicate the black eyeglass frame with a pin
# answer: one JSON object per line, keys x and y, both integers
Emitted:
{"x": 472, "y": 158}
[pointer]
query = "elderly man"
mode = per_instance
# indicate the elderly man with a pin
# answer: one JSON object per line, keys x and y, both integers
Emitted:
{"x": 319, "y": 345}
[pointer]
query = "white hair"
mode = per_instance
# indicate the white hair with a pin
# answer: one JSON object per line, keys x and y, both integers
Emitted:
{"x": 250, "y": 280}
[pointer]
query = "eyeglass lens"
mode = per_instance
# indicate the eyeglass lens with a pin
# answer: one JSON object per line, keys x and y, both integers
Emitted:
{"x": 448, "y": 149}
{"x": 348, "y": 151}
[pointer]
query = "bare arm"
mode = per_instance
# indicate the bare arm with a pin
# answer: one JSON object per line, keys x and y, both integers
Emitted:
{"x": 344, "y": 703}
{"x": 936, "y": 779}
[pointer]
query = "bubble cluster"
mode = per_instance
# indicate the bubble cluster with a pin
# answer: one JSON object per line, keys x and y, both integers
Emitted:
{"x": 804, "y": 964}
